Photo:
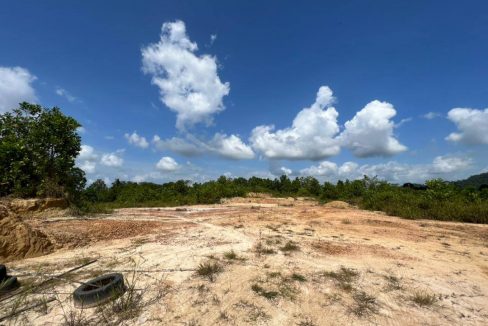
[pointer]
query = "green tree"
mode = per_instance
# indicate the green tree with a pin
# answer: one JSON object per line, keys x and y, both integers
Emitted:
{"x": 38, "y": 148}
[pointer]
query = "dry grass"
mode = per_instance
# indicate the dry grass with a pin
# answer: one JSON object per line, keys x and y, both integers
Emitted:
{"x": 423, "y": 298}
{"x": 364, "y": 304}
{"x": 344, "y": 277}
{"x": 290, "y": 246}
{"x": 209, "y": 270}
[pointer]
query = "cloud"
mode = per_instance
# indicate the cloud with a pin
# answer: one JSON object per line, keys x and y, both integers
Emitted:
{"x": 448, "y": 167}
{"x": 177, "y": 145}
{"x": 87, "y": 153}
{"x": 311, "y": 135}
{"x": 167, "y": 164}
{"x": 370, "y": 132}
{"x": 213, "y": 38}
{"x": 449, "y": 164}
{"x": 231, "y": 147}
{"x": 189, "y": 84}
{"x": 431, "y": 115}
{"x": 112, "y": 160}
{"x": 15, "y": 87}
{"x": 324, "y": 168}
{"x": 88, "y": 166}
{"x": 86, "y": 159}
{"x": 136, "y": 140}
{"x": 472, "y": 126}
{"x": 67, "y": 95}
{"x": 277, "y": 169}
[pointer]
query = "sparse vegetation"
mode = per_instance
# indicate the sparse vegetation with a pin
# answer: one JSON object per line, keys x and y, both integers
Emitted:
{"x": 231, "y": 255}
{"x": 262, "y": 250}
{"x": 423, "y": 298}
{"x": 306, "y": 322}
{"x": 263, "y": 292}
{"x": 209, "y": 269}
{"x": 364, "y": 304}
{"x": 344, "y": 277}
{"x": 393, "y": 282}
{"x": 298, "y": 277}
{"x": 290, "y": 246}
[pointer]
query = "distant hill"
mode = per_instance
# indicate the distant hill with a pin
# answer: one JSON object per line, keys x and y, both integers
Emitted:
{"x": 473, "y": 181}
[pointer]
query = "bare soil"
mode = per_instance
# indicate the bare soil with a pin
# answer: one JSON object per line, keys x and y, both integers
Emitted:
{"x": 284, "y": 262}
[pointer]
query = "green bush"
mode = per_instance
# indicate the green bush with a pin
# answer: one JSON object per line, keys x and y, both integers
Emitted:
{"x": 442, "y": 201}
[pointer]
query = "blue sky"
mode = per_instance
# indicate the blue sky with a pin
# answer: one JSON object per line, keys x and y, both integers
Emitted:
{"x": 334, "y": 89}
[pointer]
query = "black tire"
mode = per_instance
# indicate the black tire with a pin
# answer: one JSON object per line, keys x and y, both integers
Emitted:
{"x": 9, "y": 284}
{"x": 99, "y": 290}
{"x": 3, "y": 272}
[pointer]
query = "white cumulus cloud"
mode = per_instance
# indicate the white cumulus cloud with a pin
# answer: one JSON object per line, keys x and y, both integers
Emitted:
{"x": 167, "y": 164}
{"x": 15, "y": 87}
{"x": 370, "y": 131}
{"x": 324, "y": 168}
{"x": 449, "y": 167}
{"x": 88, "y": 166}
{"x": 136, "y": 140}
{"x": 112, "y": 160}
{"x": 87, "y": 153}
{"x": 230, "y": 147}
{"x": 188, "y": 83}
{"x": 472, "y": 126}
{"x": 87, "y": 158}
{"x": 311, "y": 135}
{"x": 449, "y": 164}
{"x": 178, "y": 145}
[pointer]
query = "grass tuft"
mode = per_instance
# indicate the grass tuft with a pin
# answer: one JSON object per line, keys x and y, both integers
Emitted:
{"x": 343, "y": 277}
{"x": 298, "y": 277}
{"x": 290, "y": 246}
{"x": 209, "y": 270}
{"x": 231, "y": 255}
{"x": 263, "y": 292}
{"x": 424, "y": 299}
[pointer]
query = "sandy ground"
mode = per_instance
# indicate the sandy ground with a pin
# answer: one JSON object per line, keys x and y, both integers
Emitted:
{"x": 345, "y": 266}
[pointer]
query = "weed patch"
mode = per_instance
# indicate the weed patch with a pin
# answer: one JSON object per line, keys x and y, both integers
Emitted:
{"x": 209, "y": 270}
{"x": 424, "y": 299}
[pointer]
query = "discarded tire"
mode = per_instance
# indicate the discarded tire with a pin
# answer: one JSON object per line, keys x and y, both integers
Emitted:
{"x": 99, "y": 290}
{"x": 9, "y": 283}
{"x": 3, "y": 272}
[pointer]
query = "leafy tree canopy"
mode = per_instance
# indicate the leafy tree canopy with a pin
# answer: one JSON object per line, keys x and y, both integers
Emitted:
{"x": 38, "y": 148}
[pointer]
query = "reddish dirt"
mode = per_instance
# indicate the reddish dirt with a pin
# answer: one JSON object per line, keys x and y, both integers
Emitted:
{"x": 78, "y": 233}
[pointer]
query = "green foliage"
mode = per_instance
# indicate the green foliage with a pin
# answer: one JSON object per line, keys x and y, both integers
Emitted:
{"x": 442, "y": 200}
{"x": 474, "y": 181}
{"x": 38, "y": 147}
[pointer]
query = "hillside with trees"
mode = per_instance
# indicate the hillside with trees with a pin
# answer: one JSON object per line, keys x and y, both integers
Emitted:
{"x": 474, "y": 181}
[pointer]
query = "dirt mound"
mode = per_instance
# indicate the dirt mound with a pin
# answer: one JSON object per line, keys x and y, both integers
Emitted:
{"x": 18, "y": 240}
{"x": 37, "y": 204}
{"x": 338, "y": 204}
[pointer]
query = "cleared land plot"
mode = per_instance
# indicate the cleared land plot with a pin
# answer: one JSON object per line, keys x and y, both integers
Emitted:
{"x": 265, "y": 261}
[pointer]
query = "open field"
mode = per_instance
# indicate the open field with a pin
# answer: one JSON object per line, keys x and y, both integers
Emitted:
{"x": 269, "y": 262}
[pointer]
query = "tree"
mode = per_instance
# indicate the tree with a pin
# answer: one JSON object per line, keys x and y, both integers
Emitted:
{"x": 38, "y": 148}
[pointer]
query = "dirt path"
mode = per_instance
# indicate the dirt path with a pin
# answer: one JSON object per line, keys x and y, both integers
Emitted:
{"x": 295, "y": 263}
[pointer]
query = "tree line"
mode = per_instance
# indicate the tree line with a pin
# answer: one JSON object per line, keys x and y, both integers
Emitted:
{"x": 441, "y": 200}
{"x": 39, "y": 146}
